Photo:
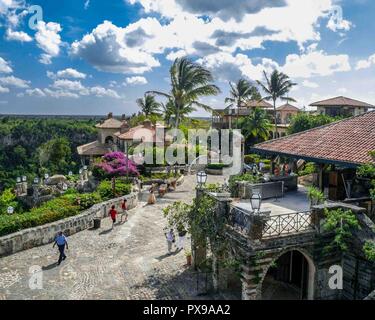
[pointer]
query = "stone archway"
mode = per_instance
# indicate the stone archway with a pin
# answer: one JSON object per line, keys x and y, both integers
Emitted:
{"x": 291, "y": 275}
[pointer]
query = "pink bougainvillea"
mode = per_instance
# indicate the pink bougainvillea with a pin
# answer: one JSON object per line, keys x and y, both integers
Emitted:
{"x": 117, "y": 164}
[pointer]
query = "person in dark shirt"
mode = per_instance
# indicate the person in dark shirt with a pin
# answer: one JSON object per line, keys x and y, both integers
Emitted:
{"x": 61, "y": 243}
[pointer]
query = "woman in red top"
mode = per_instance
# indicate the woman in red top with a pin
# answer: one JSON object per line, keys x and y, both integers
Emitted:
{"x": 113, "y": 214}
{"x": 124, "y": 207}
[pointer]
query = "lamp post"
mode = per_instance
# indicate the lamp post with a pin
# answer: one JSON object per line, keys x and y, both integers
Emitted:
{"x": 10, "y": 210}
{"x": 201, "y": 178}
{"x": 256, "y": 202}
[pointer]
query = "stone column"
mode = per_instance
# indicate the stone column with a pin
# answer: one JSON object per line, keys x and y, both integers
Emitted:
{"x": 249, "y": 290}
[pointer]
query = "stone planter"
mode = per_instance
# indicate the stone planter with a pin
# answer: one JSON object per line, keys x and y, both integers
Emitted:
{"x": 214, "y": 172}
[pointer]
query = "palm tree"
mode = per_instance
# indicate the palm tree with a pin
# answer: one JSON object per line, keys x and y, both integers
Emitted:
{"x": 257, "y": 125}
{"x": 169, "y": 111}
{"x": 239, "y": 93}
{"x": 189, "y": 81}
{"x": 148, "y": 105}
{"x": 277, "y": 87}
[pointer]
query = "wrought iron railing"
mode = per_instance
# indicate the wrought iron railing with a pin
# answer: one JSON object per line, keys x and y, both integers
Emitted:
{"x": 272, "y": 225}
{"x": 285, "y": 224}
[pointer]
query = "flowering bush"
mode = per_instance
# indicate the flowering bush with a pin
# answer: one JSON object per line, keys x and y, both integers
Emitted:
{"x": 117, "y": 164}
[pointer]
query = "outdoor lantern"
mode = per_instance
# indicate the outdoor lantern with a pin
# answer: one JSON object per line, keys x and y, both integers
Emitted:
{"x": 46, "y": 176}
{"x": 18, "y": 179}
{"x": 256, "y": 201}
{"x": 84, "y": 167}
{"x": 65, "y": 187}
{"x": 70, "y": 173}
{"x": 10, "y": 210}
{"x": 36, "y": 180}
{"x": 80, "y": 171}
{"x": 201, "y": 178}
{"x": 24, "y": 178}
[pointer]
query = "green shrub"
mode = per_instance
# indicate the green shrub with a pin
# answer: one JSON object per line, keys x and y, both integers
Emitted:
{"x": 315, "y": 196}
{"x": 366, "y": 171}
{"x": 309, "y": 169}
{"x": 105, "y": 189}
{"x": 341, "y": 223}
{"x": 87, "y": 200}
{"x": 217, "y": 166}
{"x": 50, "y": 211}
{"x": 233, "y": 187}
{"x": 251, "y": 158}
{"x": 369, "y": 250}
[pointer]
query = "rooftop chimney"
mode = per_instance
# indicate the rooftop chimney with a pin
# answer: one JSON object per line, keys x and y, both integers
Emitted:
{"x": 110, "y": 115}
{"x": 147, "y": 124}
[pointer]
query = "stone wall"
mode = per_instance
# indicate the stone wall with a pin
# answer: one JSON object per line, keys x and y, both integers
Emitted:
{"x": 33, "y": 237}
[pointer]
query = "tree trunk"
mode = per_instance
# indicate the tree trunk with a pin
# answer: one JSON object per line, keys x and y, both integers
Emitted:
{"x": 275, "y": 135}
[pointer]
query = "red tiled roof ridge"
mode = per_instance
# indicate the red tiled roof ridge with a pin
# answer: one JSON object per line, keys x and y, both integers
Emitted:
{"x": 348, "y": 102}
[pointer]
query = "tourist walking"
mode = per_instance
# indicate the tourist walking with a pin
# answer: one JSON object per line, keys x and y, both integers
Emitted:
{"x": 181, "y": 237}
{"x": 113, "y": 214}
{"x": 170, "y": 239}
{"x": 151, "y": 197}
{"x": 124, "y": 208}
{"x": 61, "y": 243}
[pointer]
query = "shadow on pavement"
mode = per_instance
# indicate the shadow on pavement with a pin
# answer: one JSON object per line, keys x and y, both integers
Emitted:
{"x": 105, "y": 232}
{"x": 50, "y": 266}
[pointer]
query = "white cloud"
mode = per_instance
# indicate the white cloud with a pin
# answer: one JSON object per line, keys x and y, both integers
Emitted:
{"x": 310, "y": 84}
{"x": 4, "y": 66}
{"x": 66, "y": 73}
{"x": 365, "y": 64}
{"x": 137, "y": 80}
{"x": 49, "y": 40}
{"x": 3, "y": 89}
{"x": 342, "y": 90}
{"x": 14, "y": 82}
{"x": 133, "y": 49}
{"x": 315, "y": 63}
{"x": 17, "y": 36}
{"x": 105, "y": 48}
{"x": 35, "y": 92}
{"x": 101, "y": 92}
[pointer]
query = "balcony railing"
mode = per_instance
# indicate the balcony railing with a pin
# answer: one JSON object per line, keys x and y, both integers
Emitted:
{"x": 264, "y": 225}
{"x": 290, "y": 223}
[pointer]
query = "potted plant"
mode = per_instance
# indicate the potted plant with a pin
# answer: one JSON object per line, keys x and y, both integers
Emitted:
{"x": 188, "y": 256}
{"x": 315, "y": 196}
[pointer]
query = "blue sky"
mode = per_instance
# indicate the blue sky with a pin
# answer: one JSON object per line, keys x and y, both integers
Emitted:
{"x": 92, "y": 57}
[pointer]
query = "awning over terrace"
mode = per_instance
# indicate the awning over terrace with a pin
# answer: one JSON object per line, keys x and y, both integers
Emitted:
{"x": 344, "y": 143}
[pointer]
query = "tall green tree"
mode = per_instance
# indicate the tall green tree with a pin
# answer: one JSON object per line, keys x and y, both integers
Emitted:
{"x": 55, "y": 155}
{"x": 256, "y": 127}
{"x": 148, "y": 105}
{"x": 277, "y": 86}
{"x": 190, "y": 81}
{"x": 239, "y": 93}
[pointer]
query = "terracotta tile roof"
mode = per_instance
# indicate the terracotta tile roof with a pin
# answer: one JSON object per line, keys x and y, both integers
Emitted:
{"x": 146, "y": 132}
{"x": 287, "y": 107}
{"x": 341, "y": 102}
{"x": 110, "y": 123}
{"x": 259, "y": 104}
{"x": 347, "y": 141}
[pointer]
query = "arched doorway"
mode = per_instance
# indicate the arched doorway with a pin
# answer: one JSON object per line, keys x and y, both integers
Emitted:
{"x": 109, "y": 140}
{"x": 290, "y": 277}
